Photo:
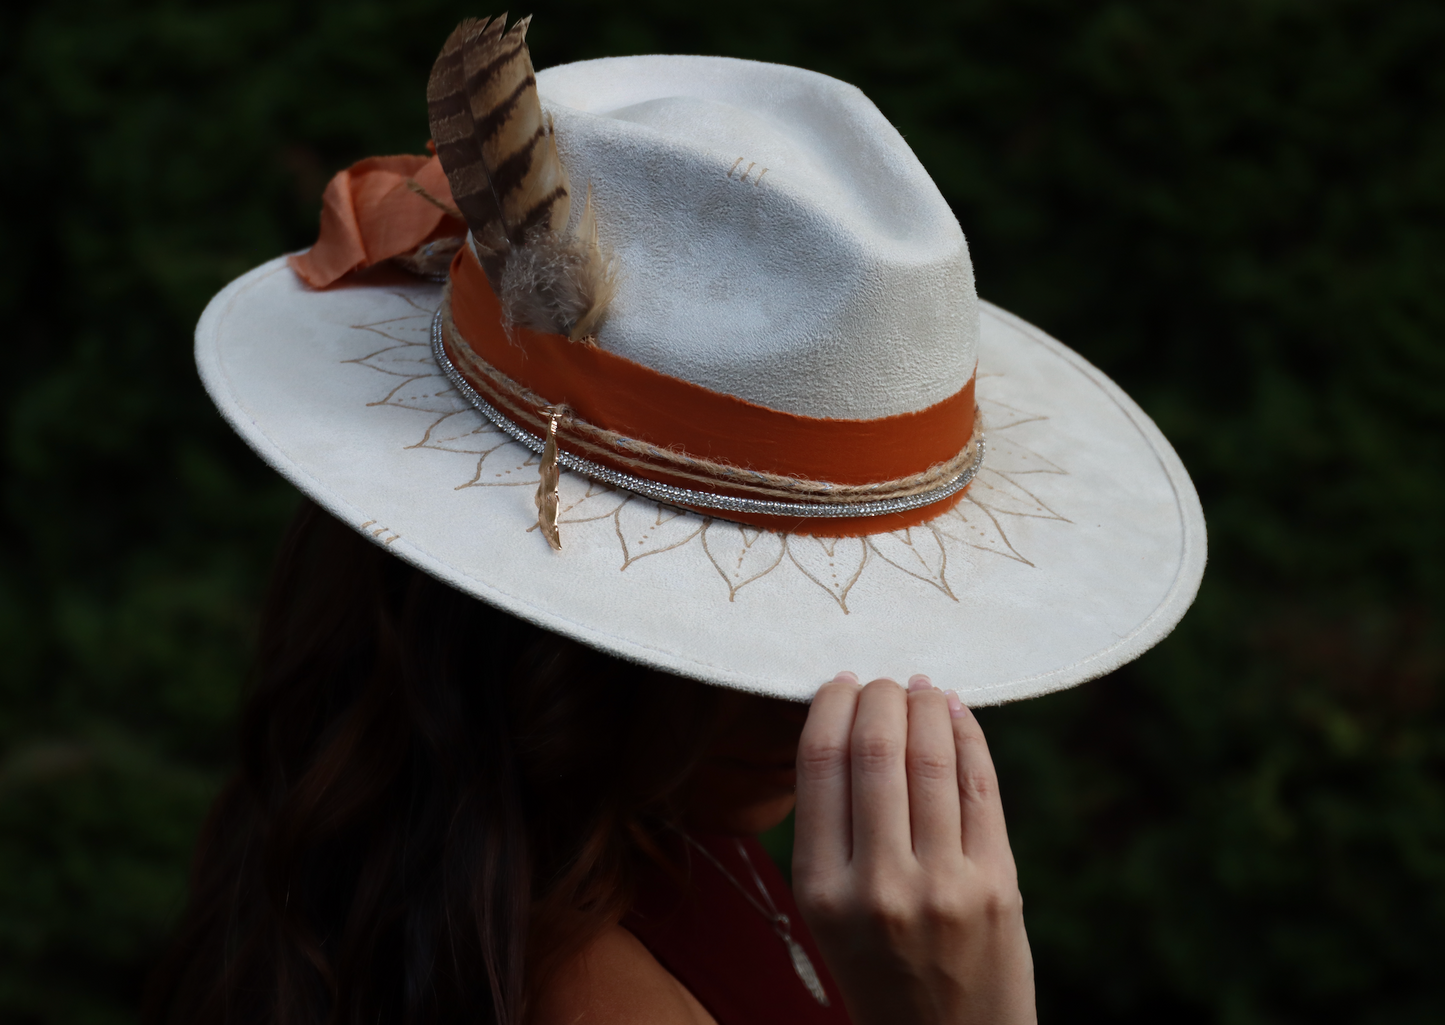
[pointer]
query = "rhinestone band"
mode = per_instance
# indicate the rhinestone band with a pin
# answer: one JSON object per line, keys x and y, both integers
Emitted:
{"x": 670, "y": 495}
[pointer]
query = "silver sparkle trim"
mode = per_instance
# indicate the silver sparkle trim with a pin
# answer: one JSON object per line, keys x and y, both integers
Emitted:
{"x": 669, "y": 495}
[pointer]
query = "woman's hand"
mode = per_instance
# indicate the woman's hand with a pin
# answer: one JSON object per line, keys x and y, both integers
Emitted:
{"x": 901, "y": 860}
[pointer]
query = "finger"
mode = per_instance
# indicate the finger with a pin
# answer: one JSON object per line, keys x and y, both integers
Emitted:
{"x": 985, "y": 836}
{"x": 880, "y": 779}
{"x": 822, "y": 823}
{"x": 932, "y": 762}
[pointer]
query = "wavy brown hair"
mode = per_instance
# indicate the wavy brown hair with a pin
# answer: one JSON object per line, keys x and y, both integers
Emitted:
{"x": 436, "y": 803}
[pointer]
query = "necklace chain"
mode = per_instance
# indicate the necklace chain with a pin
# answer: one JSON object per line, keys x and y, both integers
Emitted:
{"x": 782, "y": 925}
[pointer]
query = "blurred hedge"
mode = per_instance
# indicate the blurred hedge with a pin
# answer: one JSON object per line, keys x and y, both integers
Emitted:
{"x": 1233, "y": 206}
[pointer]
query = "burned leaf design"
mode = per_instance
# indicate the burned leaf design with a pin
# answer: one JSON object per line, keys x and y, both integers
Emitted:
{"x": 646, "y": 528}
{"x": 971, "y": 524}
{"x": 507, "y": 465}
{"x": 421, "y": 386}
{"x": 741, "y": 554}
{"x": 918, "y": 551}
{"x": 465, "y": 431}
{"x": 1001, "y": 494}
{"x": 426, "y": 394}
{"x": 833, "y": 563}
{"x": 1000, "y": 416}
{"x": 586, "y": 500}
{"x": 406, "y": 359}
{"x": 1011, "y": 457}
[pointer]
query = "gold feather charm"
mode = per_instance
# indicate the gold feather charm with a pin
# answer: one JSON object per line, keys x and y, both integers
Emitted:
{"x": 548, "y": 499}
{"x": 499, "y": 151}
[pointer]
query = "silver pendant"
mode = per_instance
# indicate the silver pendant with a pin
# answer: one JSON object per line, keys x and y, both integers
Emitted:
{"x": 803, "y": 965}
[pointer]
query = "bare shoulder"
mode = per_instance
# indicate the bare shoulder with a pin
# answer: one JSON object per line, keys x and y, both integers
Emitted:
{"x": 617, "y": 981}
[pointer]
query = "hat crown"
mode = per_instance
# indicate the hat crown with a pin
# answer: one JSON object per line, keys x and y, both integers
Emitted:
{"x": 776, "y": 238}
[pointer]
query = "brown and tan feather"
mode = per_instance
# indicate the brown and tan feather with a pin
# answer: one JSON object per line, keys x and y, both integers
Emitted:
{"x": 454, "y": 131}
{"x": 499, "y": 151}
{"x": 516, "y": 139}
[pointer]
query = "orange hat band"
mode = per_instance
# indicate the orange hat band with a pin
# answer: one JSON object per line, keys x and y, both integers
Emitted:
{"x": 687, "y": 445}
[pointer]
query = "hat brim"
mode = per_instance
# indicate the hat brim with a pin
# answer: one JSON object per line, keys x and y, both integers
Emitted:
{"x": 1079, "y": 546}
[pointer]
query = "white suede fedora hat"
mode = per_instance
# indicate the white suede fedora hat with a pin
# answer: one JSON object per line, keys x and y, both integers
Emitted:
{"x": 787, "y": 438}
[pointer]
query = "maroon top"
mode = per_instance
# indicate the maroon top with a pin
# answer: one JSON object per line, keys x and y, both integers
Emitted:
{"x": 703, "y": 930}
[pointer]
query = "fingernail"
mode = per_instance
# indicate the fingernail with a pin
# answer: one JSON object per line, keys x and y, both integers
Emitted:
{"x": 955, "y": 706}
{"x": 919, "y": 682}
{"x": 846, "y": 677}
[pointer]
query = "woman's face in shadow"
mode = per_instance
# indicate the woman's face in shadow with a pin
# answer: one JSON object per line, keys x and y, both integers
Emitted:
{"x": 745, "y": 782}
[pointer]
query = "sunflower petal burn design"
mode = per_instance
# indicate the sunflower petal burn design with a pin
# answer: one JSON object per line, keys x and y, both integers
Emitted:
{"x": 1010, "y": 489}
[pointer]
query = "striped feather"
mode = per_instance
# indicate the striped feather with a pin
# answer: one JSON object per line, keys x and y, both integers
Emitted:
{"x": 499, "y": 152}
{"x": 454, "y": 132}
{"x": 516, "y": 141}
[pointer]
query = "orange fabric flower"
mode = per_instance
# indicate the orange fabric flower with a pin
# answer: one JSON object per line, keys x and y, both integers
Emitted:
{"x": 369, "y": 214}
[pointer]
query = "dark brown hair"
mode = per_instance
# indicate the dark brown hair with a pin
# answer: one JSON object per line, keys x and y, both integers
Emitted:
{"x": 436, "y": 803}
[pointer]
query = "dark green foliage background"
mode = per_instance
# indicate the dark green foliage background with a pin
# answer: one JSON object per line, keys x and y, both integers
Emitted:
{"x": 1235, "y": 207}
